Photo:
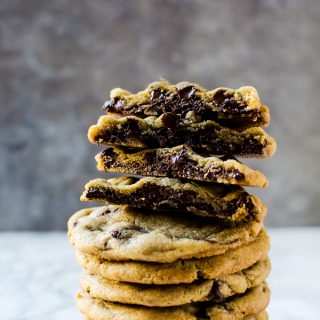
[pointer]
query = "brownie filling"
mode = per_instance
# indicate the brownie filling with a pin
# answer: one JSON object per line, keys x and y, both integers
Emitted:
{"x": 163, "y": 198}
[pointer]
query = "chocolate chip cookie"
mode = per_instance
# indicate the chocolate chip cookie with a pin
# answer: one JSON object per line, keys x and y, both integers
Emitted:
{"x": 180, "y": 271}
{"x": 226, "y": 203}
{"x": 215, "y": 290}
{"x": 261, "y": 316}
{"x": 123, "y": 233}
{"x": 165, "y": 131}
{"x": 251, "y": 303}
{"x": 179, "y": 162}
{"x": 230, "y": 107}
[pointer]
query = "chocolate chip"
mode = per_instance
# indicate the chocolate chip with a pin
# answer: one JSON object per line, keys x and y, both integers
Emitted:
{"x": 169, "y": 120}
{"x": 215, "y": 293}
{"x": 116, "y": 234}
{"x": 179, "y": 159}
{"x": 201, "y": 314}
{"x": 112, "y": 105}
{"x": 107, "y": 105}
{"x": 109, "y": 157}
{"x": 156, "y": 94}
{"x": 104, "y": 213}
{"x": 187, "y": 92}
{"x": 219, "y": 97}
{"x": 95, "y": 193}
{"x": 200, "y": 275}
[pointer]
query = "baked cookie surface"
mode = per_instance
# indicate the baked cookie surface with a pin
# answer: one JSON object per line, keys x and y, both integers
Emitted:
{"x": 181, "y": 271}
{"x": 165, "y": 131}
{"x": 251, "y": 303}
{"x": 229, "y": 204}
{"x": 179, "y": 162}
{"x": 261, "y": 316}
{"x": 230, "y": 107}
{"x": 122, "y": 233}
{"x": 215, "y": 290}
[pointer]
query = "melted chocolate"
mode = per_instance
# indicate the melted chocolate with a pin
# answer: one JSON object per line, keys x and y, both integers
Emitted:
{"x": 229, "y": 111}
{"x": 219, "y": 97}
{"x": 162, "y": 198}
{"x": 205, "y": 139}
{"x": 186, "y": 93}
{"x": 157, "y": 94}
{"x": 201, "y": 314}
{"x": 215, "y": 293}
{"x": 109, "y": 157}
{"x": 113, "y": 105}
{"x": 179, "y": 165}
{"x": 169, "y": 120}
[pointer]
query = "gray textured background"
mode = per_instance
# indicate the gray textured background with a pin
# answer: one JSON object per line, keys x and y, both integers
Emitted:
{"x": 59, "y": 59}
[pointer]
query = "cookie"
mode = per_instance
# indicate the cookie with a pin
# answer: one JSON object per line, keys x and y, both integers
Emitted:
{"x": 253, "y": 302}
{"x": 215, "y": 290}
{"x": 179, "y": 162}
{"x": 226, "y": 203}
{"x": 261, "y": 316}
{"x": 181, "y": 271}
{"x": 123, "y": 233}
{"x": 165, "y": 131}
{"x": 230, "y": 107}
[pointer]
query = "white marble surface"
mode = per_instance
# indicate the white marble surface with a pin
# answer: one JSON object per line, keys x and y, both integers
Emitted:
{"x": 39, "y": 276}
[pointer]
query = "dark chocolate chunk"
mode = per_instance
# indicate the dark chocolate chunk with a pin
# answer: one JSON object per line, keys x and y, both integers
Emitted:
{"x": 116, "y": 234}
{"x": 180, "y": 159}
{"x": 215, "y": 293}
{"x": 109, "y": 157}
{"x": 201, "y": 314}
{"x": 104, "y": 213}
{"x": 156, "y": 94}
{"x": 187, "y": 92}
{"x": 113, "y": 105}
{"x": 169, "y": 120}
{"x": 95, "y": 193}
{"x": 219, "y": 97}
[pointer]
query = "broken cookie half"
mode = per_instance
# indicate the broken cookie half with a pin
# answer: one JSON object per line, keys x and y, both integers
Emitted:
{"x": 236, "y": 108}
{"x": 179, "y": 162}
{"x": 226, "y": 203}
{"x": 166, "y": 131}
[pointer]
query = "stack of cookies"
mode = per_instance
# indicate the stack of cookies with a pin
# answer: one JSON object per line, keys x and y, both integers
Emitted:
{"x": 180, "y": 238}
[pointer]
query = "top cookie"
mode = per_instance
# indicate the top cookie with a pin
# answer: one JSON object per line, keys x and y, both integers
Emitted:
{"x": 237, "y": 108}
